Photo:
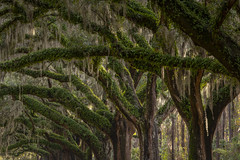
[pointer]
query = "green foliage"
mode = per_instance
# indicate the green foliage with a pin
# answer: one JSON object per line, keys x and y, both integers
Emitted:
{"x": 231, "y": 151}
{"x": 164, "y": 150}
{"x": 135, "y": 154}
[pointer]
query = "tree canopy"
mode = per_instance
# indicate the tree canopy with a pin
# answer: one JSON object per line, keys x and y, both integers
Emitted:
{"x": 92, "y": 73}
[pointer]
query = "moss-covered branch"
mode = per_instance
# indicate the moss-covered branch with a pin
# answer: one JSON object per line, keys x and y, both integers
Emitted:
{"x": 123, "y": 72}
{"x": 65, "y": 98}
{"x": 114, "y": 93}
{"x": 66, "y": 144}
{"x": 34, "y": 149}
{"x": 72, "y": 125}
{"x": 194, "y": 20}
{"x": 54, "y": 141}
{"x": 85, "y": 89}
{"x": 223, "y": 12}
{"x": 141, "y": 15}
{"x": 131, "y": 55}
{"x": 52, "y": 55}
{"x": 40, "y": 141}
{"x": 141, "y": 41}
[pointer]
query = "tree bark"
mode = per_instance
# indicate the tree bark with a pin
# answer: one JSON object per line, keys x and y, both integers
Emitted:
{"x": 148, "y": 136}
{"x": 217, "y": 143}
{"x": 121, "y": 138}
{"x": 183, "y": 135}
{"x": 230, "y": 118}
{"x": 160, "y": 143}
{"x": 200, "y": 142}
{"x": 223, "y": 124}
{"x": 173, "y": 137}
{"x": 178, "y": 136}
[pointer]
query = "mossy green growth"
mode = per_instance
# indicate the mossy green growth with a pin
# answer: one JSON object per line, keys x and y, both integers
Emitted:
{"x": 66, "y": 144}
{"x": 72, "y": 125}
{"x": 124, "y": 39}
{"x": 115, "y": 93}
{"x": 141, "y": 15}
{"x": 64, "y": 97}
{"x": 141, "y": 41}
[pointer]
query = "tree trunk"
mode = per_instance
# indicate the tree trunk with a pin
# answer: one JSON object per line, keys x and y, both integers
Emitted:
{"x": 150, "y": 141}
{"x": 121, "y": 138}
{"x": 160, "y": 142}
{"x": 148, "y": 132}
{"x": 178, "y": 136}
{"x": 173, "y": 137}
{"x": 223, "y": 124}
{"x": 200, "y": 142}
{"x": 200, "y": 148}
{"x": 230, "y": 118}
{"x": 183, "y": 135}
{"x": 217, "y": 143}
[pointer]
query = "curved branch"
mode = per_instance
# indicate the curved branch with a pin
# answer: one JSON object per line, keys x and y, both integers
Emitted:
{"x": 115, "y": 94}
{"x": 72, "y": 125}
{"x": 164, "y": 111}
{"x": 66, "y": 144}
{"x": 130, "y": 55}
{"x": 85, "y": 89}
{"x": 220, "y": 101}
{"x": 58, "y": 141}
{"x": 224, "y": 10}
{"x": 65, "y": 98}
{"x": 123, "y": 72}
{"x": 194, "y": 20}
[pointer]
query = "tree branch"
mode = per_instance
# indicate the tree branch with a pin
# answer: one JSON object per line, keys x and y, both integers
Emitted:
{"x": 73, "y": 126}
{"x": 123, "y": 72}
{"x": 85, "y": 89}
{"x": 223, "y": 12}
{"x": 190, "y": 13}
{"x": 164, "y": 111}
{"x": 65, "y": 98}
{"x": 130, "y": 55}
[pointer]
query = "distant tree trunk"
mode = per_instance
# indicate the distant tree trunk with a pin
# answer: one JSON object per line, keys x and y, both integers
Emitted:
{"x": 188, "y": 144}
{"x": 178, "y": 137}
{"x": 173, "y": 137}
{"x": 183, "y": 136}
{"x": 155, "y": 141}
{"x": 231, "y": 120}
{"x": 223, "y": 124}
{"x": 217, "y": 143}
{"x": 160, "y": 142}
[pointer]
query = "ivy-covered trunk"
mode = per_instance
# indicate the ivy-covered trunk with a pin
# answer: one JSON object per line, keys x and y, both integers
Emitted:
{"x": 121, "y": 139}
